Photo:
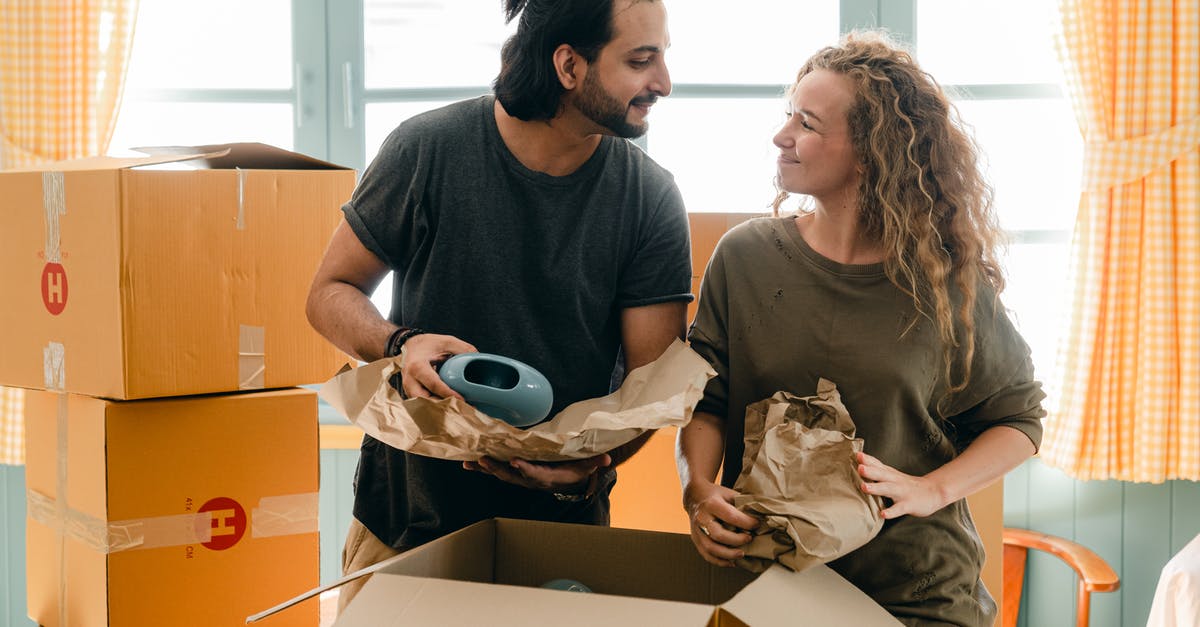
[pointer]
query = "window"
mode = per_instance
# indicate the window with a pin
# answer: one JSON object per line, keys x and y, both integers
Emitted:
{"x": 1011, "y": 95}
{"x": 211, "y": 73}
{"x": 333, "y": 78}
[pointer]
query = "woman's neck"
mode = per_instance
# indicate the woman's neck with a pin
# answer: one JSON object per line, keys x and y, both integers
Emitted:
{"x": 837, "y": 235}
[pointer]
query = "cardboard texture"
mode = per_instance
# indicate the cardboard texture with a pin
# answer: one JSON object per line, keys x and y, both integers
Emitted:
{"x": 182, "y": 511}
{"x": 660, "y": 394}
{"x": 491, "y": 572}
{"x": 124, "y": 281}
{"x": 800, "y": 479}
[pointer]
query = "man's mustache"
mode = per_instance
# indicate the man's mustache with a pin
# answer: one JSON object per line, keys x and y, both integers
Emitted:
{"x": 644, "y": 101}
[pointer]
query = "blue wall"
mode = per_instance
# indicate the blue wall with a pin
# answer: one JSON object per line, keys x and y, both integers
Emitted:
{"x": 12, "y": 547}
{"x": 1136, "y": 527}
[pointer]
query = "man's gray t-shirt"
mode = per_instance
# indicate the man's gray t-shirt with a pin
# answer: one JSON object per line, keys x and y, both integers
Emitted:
{"x": 518, "y": 263}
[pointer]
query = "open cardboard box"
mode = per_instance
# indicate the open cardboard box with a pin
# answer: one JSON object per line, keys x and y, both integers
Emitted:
{"x": 490, "y": 574}
{"x": 132, "y": 278}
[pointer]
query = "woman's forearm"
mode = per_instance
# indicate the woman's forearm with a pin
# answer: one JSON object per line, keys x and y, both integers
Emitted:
{"x": 699, "y": 449}
{"x": 992, "y": 455}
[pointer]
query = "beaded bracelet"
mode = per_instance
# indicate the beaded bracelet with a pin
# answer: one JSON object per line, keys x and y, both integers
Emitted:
{"x": 396, "y": 341}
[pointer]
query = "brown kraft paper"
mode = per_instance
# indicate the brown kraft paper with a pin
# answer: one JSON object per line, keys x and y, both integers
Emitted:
{"x": 800, "y": 479}
{"x": 660, "y": 394}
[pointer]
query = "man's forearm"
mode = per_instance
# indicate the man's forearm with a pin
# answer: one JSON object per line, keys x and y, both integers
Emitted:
{"x": 347, "y": 318}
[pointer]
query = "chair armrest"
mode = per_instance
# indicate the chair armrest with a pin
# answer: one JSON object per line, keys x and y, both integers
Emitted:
{"x": 1094, "y": 572}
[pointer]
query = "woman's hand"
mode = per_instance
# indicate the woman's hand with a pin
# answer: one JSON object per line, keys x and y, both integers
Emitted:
{"x": 717, "y": 526}
{"x": 917, "y": 496}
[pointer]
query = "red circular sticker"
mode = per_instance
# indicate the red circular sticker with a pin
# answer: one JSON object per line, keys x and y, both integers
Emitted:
{"x": 228, "y": 522}
{"x": 54, "y": 288}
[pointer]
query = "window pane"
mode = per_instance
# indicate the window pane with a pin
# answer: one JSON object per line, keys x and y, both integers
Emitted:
{"x": 1036, "y": 276}
{"x": 424, "y": 43}
{"x": 383, "y": 118}
{"x": 751, "y": 42}
{"x": 719, "y": 150}
{"x": 1034, "y": 155}
{"x": 212, "y": 44}
{"x": 988, "y": 41}
{"x": 199, "y": 123}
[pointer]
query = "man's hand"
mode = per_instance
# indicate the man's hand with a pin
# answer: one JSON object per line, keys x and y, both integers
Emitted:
{"x": 545, "y": 476}
{"x": 717, "y": 526}
{"x": 420, "y": 357}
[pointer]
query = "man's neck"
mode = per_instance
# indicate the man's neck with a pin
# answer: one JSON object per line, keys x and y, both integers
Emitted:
{"x": 556, "y": 147}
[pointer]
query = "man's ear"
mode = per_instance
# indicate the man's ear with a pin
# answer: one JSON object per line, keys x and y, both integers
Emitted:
{"x": 569, "y": 66}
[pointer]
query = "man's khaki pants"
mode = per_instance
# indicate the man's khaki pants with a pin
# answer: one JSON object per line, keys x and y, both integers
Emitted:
{"x": 362, "y": 549}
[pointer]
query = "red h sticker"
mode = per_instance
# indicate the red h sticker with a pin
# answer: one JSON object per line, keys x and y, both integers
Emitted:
{"x": 54, "y": 288}
{"x": 228, "y": 522}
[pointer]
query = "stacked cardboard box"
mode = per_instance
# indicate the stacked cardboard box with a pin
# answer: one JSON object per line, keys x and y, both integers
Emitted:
{"x": 151, "y": 301}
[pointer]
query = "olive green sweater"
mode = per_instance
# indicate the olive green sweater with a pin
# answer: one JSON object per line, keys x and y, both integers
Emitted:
{"x": 775, "y": 315}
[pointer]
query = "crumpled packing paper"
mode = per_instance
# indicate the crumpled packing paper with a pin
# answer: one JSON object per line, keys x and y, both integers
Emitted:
{"x": 800, "y": 479}
{"x": 660, "y": 394}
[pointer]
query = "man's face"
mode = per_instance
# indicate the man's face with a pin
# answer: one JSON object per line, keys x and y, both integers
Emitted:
{"x": 630, "y": 73}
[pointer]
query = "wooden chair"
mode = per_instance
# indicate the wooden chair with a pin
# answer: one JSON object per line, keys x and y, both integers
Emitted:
{"x": 1094, "y": 574}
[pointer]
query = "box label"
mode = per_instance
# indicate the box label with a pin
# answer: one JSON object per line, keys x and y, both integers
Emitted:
{"x": 54, "y": 288}
{"x": 228, "y": 522}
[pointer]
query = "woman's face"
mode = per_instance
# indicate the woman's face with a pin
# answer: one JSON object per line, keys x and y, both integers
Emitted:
{"x": 815, "y": 155}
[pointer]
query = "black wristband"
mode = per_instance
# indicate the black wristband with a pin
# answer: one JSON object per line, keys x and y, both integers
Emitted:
{"x": 396, "y": 341}
{"x": 588, "y": 492}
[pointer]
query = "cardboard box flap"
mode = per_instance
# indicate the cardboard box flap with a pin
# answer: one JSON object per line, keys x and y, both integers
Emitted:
{"x": 108, "y": 163}
{"x": 246, "y": 156}
{"x": 406, "y": 600}
{"x": 816, "y": 593}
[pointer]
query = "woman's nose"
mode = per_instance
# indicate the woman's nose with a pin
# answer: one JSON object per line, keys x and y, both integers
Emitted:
{"x": 783, "y": 139}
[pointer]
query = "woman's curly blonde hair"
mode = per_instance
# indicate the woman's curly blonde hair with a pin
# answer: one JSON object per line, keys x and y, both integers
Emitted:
{"x": 921, "y": 194}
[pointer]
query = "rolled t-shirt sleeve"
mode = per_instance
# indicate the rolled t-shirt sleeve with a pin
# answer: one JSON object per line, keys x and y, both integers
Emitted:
{"x": 1002, "y": 390}
{"x": 709, "y": 338}
{"x": 660, "y": 269}
{"x": 383, "y": 210}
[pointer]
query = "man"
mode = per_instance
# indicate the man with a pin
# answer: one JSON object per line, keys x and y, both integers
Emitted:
{"x": 520, "y": 224}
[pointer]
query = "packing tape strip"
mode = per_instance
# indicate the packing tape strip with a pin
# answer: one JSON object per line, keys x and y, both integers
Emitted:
{"x": 290, "y": 514}
{"x": 54, "y": 366}
{"x": 252, "y": 357}
{"x": 286, "y": 515}
{"x": 54, "y": 204}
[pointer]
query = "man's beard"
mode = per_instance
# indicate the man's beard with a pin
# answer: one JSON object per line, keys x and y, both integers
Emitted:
{"x": 603, "y": 109}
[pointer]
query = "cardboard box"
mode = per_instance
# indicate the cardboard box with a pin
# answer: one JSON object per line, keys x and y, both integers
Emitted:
{"x": 122, "y": 280}
{"x": 490, "y": 574}
{"x": 181, "y": 511}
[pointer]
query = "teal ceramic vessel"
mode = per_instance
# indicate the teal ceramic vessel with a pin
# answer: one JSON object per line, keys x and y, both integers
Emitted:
{"x": 500, "y": 387}
{"x": 569, "y": 585}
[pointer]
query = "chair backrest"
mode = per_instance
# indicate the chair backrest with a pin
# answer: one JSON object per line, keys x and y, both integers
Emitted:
{"x": 1093, "y": 573}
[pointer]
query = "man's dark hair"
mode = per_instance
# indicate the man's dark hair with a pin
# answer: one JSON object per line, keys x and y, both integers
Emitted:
{"x": 527, "y": 86}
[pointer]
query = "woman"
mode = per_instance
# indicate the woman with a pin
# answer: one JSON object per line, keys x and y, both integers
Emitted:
{"x": 887, "y": 286}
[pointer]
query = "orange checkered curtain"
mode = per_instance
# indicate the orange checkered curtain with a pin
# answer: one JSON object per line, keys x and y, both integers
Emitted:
{"x": 12, "y": 429}
{"x": 1128, "y": 398}
{"x": 62, "y": 67}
